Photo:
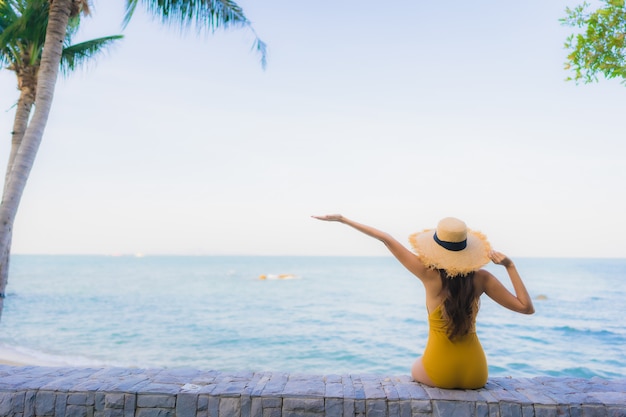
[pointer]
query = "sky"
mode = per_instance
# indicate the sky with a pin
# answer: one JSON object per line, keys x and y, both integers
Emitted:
{"x": 395, "y": 114}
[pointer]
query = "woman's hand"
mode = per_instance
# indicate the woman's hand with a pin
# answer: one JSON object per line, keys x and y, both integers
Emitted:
{"x": 521, "y": 301}
{"x": 500, "y": 258}
{"x": 330, "y": 217}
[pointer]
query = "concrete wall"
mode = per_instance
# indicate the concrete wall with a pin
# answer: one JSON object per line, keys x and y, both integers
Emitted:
{"x": 119, "y": 392}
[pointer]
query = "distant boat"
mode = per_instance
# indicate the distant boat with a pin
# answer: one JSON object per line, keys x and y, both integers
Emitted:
{"x": 279, "y": 276}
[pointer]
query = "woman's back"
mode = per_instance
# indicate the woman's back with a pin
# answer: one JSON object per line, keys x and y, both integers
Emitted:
{"x": 458, "y": 363}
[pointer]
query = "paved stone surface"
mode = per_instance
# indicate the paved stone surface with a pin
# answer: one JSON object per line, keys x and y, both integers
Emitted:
{"x": 28, "y": 391}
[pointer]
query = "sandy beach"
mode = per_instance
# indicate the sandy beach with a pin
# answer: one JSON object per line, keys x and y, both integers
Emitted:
{"x": 13, "y": 357}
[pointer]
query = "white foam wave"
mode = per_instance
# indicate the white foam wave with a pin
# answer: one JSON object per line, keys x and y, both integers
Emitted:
{"x": 18, "y": 355}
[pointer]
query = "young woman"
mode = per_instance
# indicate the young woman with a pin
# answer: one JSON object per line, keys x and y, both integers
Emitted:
{"x": 448, "y": 260}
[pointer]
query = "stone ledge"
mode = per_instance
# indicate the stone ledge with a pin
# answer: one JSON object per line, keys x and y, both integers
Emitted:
{"x": 128, "y": 392}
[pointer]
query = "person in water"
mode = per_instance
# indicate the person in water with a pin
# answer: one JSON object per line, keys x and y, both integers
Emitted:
{"x": 448, "y": 261}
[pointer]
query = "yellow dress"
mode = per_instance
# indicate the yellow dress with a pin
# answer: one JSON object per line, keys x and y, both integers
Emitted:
{"x": 453, "y": 364}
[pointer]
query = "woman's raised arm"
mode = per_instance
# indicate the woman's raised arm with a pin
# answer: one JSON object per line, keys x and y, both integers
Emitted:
{"x": 521, "y": 301}
{"x": 407, "y": 258}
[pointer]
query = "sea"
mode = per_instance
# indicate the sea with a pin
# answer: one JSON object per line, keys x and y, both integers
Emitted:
{"x": 313, "y": 315}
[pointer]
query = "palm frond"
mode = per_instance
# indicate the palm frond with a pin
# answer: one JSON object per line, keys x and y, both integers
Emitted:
{"x": 202, "y": 15}
{"x": 77, "y": 55}
{"x": 131, "y": 5}
{"x": 28, "y": 23}
{"x": 7, "y": 14}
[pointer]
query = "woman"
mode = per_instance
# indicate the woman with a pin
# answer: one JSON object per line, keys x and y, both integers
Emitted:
{"x": 448, "y": 260}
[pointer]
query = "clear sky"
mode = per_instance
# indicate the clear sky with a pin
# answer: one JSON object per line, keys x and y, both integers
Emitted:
{"x": 393, "y": 113}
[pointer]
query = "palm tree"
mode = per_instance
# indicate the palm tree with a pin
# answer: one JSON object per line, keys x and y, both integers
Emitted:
{"x": 201, "y": 14}
{"x": 22, "y": 35}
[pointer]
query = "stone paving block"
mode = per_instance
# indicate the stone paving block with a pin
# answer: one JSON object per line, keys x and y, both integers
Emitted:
{"x": 348, "y": 387}
{"x": 528, "y": 410}
{"x": 81, "y": 398}
{"x": 151, "y": 387}
{"x": 486, "y": 396}
{"x": 154, "y": 412}
{"x": 229, "y": 407}
{"x": 207, "y": 389}
{"x": 186, "y": 405}
{"x": 155, "y": 401}
{"x": 494, "y": 409}
{"x": 610, "y": 398}
{"x": 536, "y": 396}
{"x": 99, "y": 401}
{"x": 359, "y": 391}
{"x": 503, "y": 395}
{"x": 19, "y": 399}
{"x": 482, "y": 409}
{"x": 304, "y": 405}
{"x": 333, "y": 390}
{"x": 594, "y": 411}
{"x": 256, "y": 407}
{"x": 130, "y": 403}
{"x": 348, "y": 407}
{"x": 404, "y": 408}
{"x": 272, "y": 412}
{"x": 258, "y": 388}
{"x": 359, "y": 406}
{"x": 275, "y": 384}
{"x": 251, "y": 383}
{"x": 445, "y": 408}
{"x": 304, "y": 388}
{"x": 129, "y": 384}
{"x": 272, "y": 402}
{"x": 246, "y": 404}
{"x": 229, "y": 387}
{"x": 333, "y": 379}
{"x": 617, "y": 411}
{"x": 44, "y": 403}
{"x": 456, "y": 395}
{"x": 178, "y": 376}
{"x": 510, "y": 409}
{"x": 6, "y": 403}
{"x": 214, "y": 406}
{"x": 575, "y": 410}
{"x": 393, "y": 408}
{"x": 372, "y": 388}
{"x": 203, "y": 402}
{"x": 376, "y": 408}
{"x": 113, "y": 412}
{"x": 333, "y": 407}
{"x": 60, "y": 404}
{"x": 411, "y": 390}
{"x": 78, "y": 411}
{"x": 390, "y": 390}
{"x": 421, "y": 406}
{"x": 113, "y": 400}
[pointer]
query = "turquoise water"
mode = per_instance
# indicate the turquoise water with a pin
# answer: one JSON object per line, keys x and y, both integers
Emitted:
{"x": 337, "y": 315}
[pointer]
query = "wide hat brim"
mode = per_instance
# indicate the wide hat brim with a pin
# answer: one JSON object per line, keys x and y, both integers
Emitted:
{"x": 472, "y": 258}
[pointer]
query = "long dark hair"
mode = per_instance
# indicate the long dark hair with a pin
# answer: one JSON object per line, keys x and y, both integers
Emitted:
{"x": 460, "y": 303}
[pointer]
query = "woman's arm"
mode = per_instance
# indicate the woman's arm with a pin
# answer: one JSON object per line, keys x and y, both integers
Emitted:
{"x": 402, "y": 254}
{"x": 521, "y": 301}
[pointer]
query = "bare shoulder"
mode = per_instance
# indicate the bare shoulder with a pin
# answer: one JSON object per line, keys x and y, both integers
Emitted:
{"x": 481, "y": 279}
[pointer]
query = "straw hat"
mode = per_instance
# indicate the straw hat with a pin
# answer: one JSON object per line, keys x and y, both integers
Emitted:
{"x": 452, "y": 246}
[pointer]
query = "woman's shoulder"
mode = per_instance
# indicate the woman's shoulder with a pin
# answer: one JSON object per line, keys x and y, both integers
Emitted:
{"x": 481, "y": 277}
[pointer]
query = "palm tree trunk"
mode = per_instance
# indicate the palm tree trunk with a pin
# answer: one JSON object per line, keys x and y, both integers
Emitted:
{"x": 25, "y": 157}
{"x": 24, "y": 107}
{"x": 27, "y": 84}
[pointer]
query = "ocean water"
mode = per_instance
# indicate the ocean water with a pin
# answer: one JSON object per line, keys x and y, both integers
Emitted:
{"x": 332, "y": 315}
